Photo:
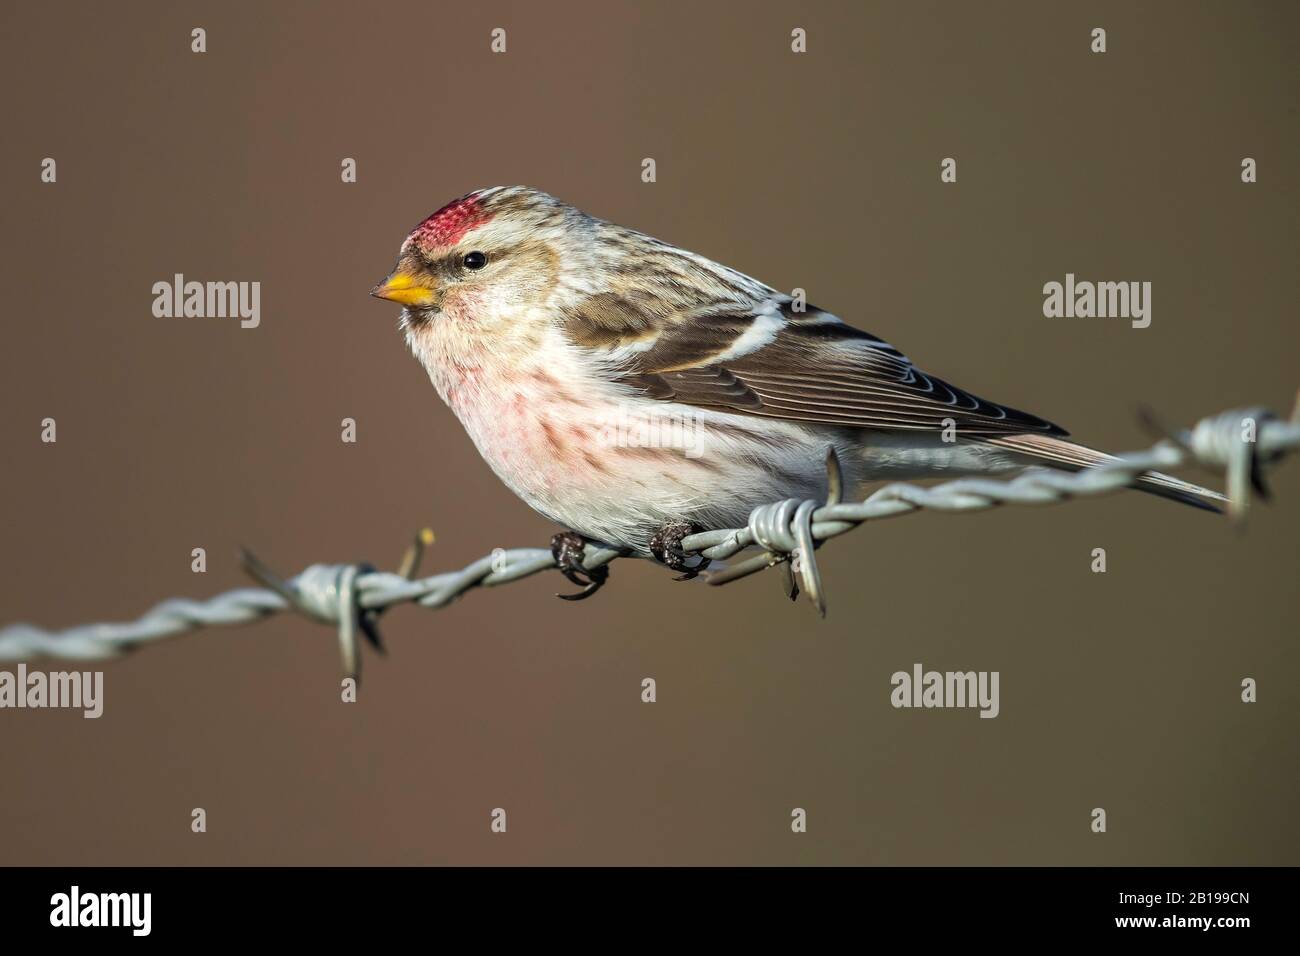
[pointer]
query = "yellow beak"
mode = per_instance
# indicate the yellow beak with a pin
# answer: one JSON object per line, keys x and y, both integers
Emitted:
{"x": 407, "y": 289}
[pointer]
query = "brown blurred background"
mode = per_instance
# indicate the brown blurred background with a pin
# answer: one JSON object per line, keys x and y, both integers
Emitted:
{"x": 818, "y": 170}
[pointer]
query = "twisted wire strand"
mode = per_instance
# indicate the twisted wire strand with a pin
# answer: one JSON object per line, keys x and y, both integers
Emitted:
{"x": 351, "y": 596}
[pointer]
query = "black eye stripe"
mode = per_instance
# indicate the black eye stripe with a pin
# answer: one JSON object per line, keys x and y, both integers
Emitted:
{"x": 474, "y": 260}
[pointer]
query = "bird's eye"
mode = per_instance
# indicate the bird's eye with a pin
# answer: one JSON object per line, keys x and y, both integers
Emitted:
{"x": 474, "y": 260}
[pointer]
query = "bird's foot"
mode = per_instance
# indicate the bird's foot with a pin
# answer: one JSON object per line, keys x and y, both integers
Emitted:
{"x": 567, "y": 548}
{"x": 666, "y": 546}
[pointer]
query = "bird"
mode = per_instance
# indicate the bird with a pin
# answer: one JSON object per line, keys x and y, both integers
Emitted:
{"x": 634, "y": 392}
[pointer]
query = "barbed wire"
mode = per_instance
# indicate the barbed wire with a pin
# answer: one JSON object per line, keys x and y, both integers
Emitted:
{"x": 351, "y": 597}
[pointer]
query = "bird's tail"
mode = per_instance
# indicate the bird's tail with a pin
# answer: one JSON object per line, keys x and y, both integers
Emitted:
{"x": 1058, "y": 453}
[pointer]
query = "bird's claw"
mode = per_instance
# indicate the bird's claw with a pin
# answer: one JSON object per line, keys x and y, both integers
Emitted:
{"x": 666, "y": 546}
{"x": 567, "y": 549}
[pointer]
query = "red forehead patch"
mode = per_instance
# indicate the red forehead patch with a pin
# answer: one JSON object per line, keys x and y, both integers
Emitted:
{"x": 449, "y": 224}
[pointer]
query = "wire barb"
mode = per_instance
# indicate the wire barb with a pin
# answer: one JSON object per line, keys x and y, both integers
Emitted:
{"x": 328, "y": 593}
{"x": 351, "y": 597}
{"x": 410, "y": 565}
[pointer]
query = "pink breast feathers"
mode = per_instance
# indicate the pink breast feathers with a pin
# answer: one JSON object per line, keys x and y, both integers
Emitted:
{"x": 449, "y": 224}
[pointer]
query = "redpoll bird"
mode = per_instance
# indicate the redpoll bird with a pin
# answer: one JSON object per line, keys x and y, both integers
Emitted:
{"x": 635, "y": 392}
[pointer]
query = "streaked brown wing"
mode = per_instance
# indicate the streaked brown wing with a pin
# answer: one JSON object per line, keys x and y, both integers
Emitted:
{"x": 805, "y": 366}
